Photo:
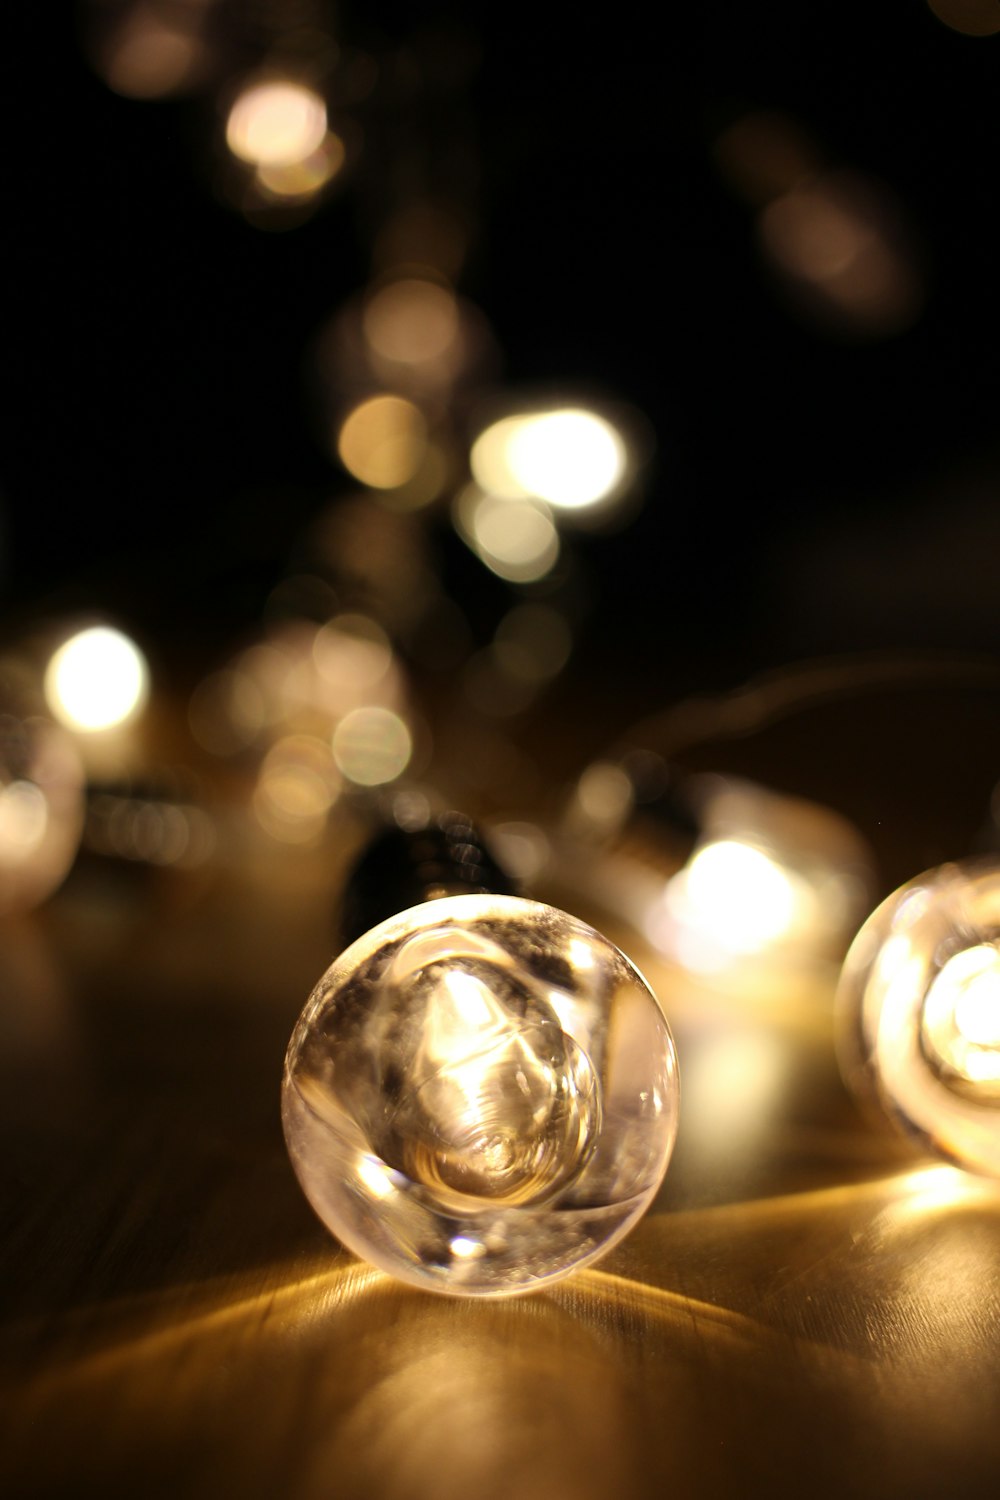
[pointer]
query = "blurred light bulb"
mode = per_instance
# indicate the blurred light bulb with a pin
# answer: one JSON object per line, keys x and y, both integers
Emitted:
{"x": 276, "y": 124}
{"x": 96, "y": 680}
{"x": 372, "y": 746}
{"x": 305, "y": 176}
{"x": 569, "y": 458}
{"x": 383, "y": 441}
{"x": 516, "y": 539}
{"x": 919, "y": 1012}
{"x": 411, "y": 321}
{"x": 738, "y": 893}
{"x": 41, "y": 808}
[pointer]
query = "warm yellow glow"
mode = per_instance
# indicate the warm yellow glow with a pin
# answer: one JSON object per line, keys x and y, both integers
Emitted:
{"x": 352, "y": 653}
{"x": 604, "y": 793}
{"x": 470, "y": 1002}
{"x": 930, "y": 1189}
{"x": 729, "y": 901}
{"x": 742, "y": 890}
{"x": 836, "y": 236}
{"x": 516, "y": 539}
{"x": 383, "y": 441}
{"x": 374, "y": 1173}
{"x": 152, "y": 56}
{"x": 411, "y": 321}
{"x": 306, "y": 176}
{"x": 372, "y": 746}
{"x": 961, "y": 1019}
{"x": 297, "y": 785}
{"x": 971, "y": 17}
{"x": 466, "y": 1249}
{"x": 581, "y": 954}
{"x": 96, "y": 680}
{"x": 276, "y": 124}
{"x": 24, "y": 818}
{"x": 569, "y": 458}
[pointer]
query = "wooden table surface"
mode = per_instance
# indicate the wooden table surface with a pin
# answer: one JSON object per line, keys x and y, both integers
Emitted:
{"x": 807, "y": 1308}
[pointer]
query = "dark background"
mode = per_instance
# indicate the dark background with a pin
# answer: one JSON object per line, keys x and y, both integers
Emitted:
{"x": 807, "y": 495}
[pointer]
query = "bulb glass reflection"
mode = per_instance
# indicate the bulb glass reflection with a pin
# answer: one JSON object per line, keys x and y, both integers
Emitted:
{"x": 481, "y": 1095}
{"x": 919, "y": 1012}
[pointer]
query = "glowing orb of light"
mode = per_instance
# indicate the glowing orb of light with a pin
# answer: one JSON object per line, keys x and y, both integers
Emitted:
{"x": 569, "y": 458}
{"x": 372, "y": 745}
{"x": 276, "y": 124}
{"x": 98, "y": 679}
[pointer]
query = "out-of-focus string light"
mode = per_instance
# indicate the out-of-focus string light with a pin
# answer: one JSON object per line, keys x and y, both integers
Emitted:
{"x": 157, "y": 49}
{"x": 41, "y": 808}
{"x": 97, "y": 680}
{"x": 302, "y": 680}
{"x": 383, "y": 441}
{"x": 732, "y": 899}
{"x": 970, "y": 17}
{"x": 411, "y": 335}
{"x": 516, "y": 539}
{"x": 297, "y": 786}
{"x": 372, "y": 746}
{"x": 919, "y": 1012}
{"x": 840, "y": 243}
{"x": 837, "y": 240}
{"x": 304, "y": 178}
{"x": 276, "y": 123}
{"x": 770, "y": 877}
{"x": 411, "y": 321}
{"x": 570, "y": 458}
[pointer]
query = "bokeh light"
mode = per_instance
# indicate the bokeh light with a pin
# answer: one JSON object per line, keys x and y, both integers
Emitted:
{"x": 297, "y": 786}
{"x": 156, "y": 50}
{"x": 961, "y": 1019}
{"x": 276, "y": 124}
{"x": 372, "y": 746}
{"x": 970, "y": 17}
{"x": 570, "y": 458}
{"x": 731, "y": 899}
{"x": 96, "y": 680}
{"x": 383, "y": 441}
{"x": 411, "y": 321}
{"x": 41, "y": 807}
{"x": 840, "y": 244}
{"x": 516, "y": 539}
{"x": 301, "y": 179}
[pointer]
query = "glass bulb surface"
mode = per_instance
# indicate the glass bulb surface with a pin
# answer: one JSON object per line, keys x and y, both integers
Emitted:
{"x": 919, "y": 1012}
{"x": 480, "y": 1095}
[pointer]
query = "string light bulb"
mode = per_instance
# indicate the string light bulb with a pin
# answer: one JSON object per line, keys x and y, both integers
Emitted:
{"x": 919, "y": 1012}
{"x": 481, "y": 1093}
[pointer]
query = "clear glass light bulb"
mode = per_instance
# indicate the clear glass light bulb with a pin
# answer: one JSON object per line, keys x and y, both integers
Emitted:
{"x": 919, "y": 1012}
{"x": 481, "y": 1095}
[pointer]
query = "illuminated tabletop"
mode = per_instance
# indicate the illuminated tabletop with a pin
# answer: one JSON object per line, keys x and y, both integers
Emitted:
{"x": 808, "y": 1306}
